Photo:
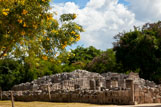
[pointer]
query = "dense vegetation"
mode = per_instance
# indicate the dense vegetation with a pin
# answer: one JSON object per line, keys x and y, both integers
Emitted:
{"x": 140, "y": 50}
{"x": 17, "y": 71}
{"x": 32, "y": 44}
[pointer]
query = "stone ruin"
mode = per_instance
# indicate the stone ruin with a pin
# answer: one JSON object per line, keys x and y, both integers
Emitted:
{"x": 87, "y": 87}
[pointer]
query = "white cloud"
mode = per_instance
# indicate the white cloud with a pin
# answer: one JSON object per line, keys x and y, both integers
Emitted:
{"x": 146, "y": 10}
{"x": 103, "y": 19}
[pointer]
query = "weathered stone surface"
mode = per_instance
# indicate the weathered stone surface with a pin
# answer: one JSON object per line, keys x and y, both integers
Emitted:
{"x": 87, "y": 87}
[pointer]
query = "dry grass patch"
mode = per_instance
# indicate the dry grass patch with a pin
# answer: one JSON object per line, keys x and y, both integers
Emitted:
{"x": 44, "y": 104}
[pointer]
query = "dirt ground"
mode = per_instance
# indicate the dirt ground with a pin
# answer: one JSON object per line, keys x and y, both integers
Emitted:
{"x": 50, "y": 104}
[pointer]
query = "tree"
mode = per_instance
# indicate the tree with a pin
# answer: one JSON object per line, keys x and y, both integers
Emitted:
{"x": 141, "y": 49}
{"x": 103, "y": 63}
{"x": 30, "y": 38}
{"x": 27, "y": 28}
{"x": 83, "y": 55}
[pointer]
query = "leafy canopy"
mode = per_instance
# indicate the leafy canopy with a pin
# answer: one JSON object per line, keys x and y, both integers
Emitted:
{"x": 81, "y": 54}
{"x": 27, "y": 27}
{"x": 141, "y": 49}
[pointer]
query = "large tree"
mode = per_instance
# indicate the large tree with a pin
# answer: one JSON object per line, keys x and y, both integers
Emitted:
{"x": 141, "y": 50}
{"x": 27, "y": 28}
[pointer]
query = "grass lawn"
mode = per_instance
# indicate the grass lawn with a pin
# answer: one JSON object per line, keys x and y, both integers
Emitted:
{"x": 50, "y": 104}
{"x": 44, "y": 104}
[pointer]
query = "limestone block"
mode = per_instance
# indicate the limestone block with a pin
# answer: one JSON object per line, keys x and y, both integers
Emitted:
{"x": 114, "y": 83}
{"x": 148, "y": 98}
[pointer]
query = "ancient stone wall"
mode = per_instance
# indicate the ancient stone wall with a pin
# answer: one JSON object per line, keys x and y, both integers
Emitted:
{"x": 87, "y": 87}
{"x": 86, "y": 96}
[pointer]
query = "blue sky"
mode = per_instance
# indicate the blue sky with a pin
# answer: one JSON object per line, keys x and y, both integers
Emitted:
{"x": 103, "y": 19}
{"x": 123, "y": 1}
{"x": 82, "y": 3}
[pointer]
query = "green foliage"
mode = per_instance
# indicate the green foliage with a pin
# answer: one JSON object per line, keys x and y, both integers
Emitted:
{"x": 10, "y": 73}
{"x": 42, "y": 68}
{"x": 56, "y": 68}
{"x": 28, "y": 28}
{"x": 69, "y": 68}
{"x": 83, "y": 55}
{"x": 30, "y": 34}
{"x": 141, "y": 49}
{"x": 14, "y": 72}
{"x": 67, "y": 17}
{"x": 106, "y": 62}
